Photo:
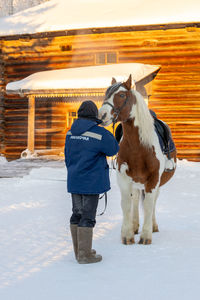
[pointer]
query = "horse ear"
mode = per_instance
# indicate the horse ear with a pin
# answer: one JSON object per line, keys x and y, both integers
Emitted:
{"x": 113, "y": 80}
{"x": 128, "y": 83}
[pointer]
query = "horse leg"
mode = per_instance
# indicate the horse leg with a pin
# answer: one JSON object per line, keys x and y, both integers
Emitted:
{"x": 146, "y": 235}
{"x": 128, "y": 202}
{"x": 127, "y": 231}
{"x": 155, "y": 225}
{"x": 135, "y": 199}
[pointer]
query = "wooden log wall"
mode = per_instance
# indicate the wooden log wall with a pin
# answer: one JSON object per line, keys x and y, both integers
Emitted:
{"x": 51, "y": 122}
{"x": 1, "y": 101}
{"x": 176, "y": 89}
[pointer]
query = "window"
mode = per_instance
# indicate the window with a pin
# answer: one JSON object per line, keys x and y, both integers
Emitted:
{"x": 71, "y": 116}
{"x": 66, "y": 47}
{"x": 106, "y": 58}
{"x": 100, "y": 59}
{"x": 111, "y": 58}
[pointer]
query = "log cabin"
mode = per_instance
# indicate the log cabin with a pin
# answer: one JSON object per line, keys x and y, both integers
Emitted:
{"x": 167, "y": 37}
{"x": 67, "y": 88}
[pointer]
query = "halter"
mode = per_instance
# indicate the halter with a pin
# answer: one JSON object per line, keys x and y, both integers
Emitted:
{"x": 113, "y": 88}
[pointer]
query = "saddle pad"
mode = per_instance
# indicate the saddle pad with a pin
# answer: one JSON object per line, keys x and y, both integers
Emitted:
{"x": 164, "y": 135}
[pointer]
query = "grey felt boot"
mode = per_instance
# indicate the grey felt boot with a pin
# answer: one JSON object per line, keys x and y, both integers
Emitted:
{"x": 73, "y": 229}
{"x": 85, "y": 255}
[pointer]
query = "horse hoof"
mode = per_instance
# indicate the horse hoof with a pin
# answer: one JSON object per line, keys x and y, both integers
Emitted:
{"x": 126, "y": 241}
{"x": 155, "y": 229}
{"x": 144, "y": 241}
{"x": 141, "y": 241}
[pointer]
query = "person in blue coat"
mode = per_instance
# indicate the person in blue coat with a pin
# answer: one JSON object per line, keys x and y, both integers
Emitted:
{"x": 86, "y": 147}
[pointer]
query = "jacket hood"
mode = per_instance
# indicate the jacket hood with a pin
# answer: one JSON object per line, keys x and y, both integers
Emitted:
{"x": 81, "y": 125}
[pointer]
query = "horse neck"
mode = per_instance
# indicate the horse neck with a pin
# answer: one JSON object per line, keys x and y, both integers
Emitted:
{"x": 131, "y": 133}
{"x": 142, "y": 123}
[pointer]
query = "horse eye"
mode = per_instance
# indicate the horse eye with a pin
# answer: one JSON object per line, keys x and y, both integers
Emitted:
{"x": 122, "y": 95}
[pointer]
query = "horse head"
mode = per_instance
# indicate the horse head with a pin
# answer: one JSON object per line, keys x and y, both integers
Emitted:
{"x": 118, "y": 102}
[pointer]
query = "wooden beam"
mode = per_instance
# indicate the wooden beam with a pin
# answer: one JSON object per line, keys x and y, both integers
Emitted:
{"x": 31, "y": 123}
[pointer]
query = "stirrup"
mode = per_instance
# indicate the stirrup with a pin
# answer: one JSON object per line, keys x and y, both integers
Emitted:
{"x": 168, "y": 169}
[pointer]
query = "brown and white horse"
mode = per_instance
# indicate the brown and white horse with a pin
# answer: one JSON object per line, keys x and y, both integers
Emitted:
{"x": 140, "y": 161}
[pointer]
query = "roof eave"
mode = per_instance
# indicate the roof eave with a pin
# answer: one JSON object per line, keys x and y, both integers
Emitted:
{"x": 100, "y": 30}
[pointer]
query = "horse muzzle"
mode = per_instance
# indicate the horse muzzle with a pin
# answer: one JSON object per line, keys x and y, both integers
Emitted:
{"x": 105, "y": 116}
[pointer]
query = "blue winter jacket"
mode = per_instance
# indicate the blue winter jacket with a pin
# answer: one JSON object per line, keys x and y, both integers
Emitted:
{"x": 86, "y": 148}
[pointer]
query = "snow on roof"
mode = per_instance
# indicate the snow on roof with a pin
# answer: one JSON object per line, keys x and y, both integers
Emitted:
{"x": 81, "y": 78}
{"x": 78, "y": 14}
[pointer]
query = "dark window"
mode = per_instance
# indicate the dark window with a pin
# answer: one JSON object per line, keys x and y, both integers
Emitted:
{"x": 71, "y": 117}
{"x": 66, "y": 47}
{"x": 106, "y": 58}
{"x": 101, "y": 58}
{"x": 111, "y": 58}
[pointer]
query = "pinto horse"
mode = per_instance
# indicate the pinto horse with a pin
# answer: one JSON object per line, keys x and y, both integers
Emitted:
{"x": 141, "y": 164}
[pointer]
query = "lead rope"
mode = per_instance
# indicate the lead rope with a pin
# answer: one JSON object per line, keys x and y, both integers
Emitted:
{"x": 112, "y": 167}
{"x": 106, "y": 202}
{"x": 113, "y": 160}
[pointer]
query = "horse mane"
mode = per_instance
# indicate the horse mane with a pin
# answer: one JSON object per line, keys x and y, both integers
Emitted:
{"x": 143, "y": 120}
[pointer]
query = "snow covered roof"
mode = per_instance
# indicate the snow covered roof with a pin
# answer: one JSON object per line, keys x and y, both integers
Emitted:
{"x": 78, "y": 14}
{"x": 81, "y": 78}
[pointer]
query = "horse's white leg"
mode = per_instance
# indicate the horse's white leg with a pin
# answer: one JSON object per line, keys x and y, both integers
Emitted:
{"x": 125, "y": 184}
{"x": 135, "y": 199}
{"x": 127, "y": 231}
{"x": 155, "y": 225}
{"x": 146, "y": 235}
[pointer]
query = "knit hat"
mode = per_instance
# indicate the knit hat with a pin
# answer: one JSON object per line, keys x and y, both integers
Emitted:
{"x": 88, "y": 110}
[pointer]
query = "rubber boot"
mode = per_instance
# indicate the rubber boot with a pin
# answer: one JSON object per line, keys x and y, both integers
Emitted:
{"x": 73, "y": 229}
{"x": 85, "y": 256}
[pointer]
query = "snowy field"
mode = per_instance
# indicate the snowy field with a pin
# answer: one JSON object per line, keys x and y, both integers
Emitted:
{"x": 37, "y": 261}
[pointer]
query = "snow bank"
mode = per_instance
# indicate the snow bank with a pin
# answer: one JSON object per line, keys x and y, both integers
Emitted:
{"x": 37, "y": 261}
{"x": 65, "y": 15}
{"x": 3, "y": 160}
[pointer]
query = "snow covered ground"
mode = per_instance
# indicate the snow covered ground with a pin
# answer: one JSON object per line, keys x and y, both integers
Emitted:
{"x": 36, "y": 258}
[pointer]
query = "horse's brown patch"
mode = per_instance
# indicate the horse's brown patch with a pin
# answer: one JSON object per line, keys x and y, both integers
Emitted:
{"x": 142, "y": 162}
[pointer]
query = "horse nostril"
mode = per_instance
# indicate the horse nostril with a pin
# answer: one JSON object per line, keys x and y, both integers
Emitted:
{"x": 104, "y": 116}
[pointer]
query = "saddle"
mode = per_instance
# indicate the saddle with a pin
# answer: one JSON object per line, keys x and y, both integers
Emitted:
{"x": 163, "y": 131}
{"x": 164, "y": 136}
